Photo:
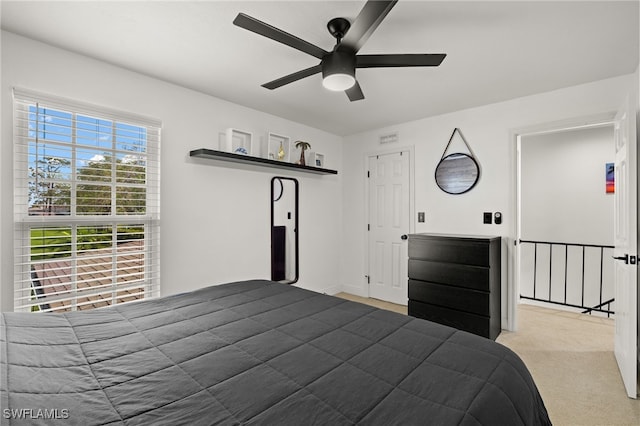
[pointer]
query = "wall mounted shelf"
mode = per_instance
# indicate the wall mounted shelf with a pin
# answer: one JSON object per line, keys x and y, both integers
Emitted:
{"x": 265, "y": 162}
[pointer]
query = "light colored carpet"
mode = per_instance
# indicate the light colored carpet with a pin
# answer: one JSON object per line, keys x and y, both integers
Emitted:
{"x": 571, "y": 359}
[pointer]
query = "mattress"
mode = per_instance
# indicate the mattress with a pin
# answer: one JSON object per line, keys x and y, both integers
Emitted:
{"x": 256, "y": 353}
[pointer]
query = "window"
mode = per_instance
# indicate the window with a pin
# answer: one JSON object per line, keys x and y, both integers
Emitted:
{"x": 86, "y": 205}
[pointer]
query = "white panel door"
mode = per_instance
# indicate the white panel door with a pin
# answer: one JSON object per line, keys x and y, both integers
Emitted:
{"x": 389, "y": 217}
{"x": 625, "y": 226}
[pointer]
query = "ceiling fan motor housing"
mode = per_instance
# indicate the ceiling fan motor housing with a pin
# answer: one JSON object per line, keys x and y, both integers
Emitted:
{"x": 338, "y": 62}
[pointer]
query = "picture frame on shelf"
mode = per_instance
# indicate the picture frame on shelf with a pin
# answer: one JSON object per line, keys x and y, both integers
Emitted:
{"x": 238, "y": 142}
{"x": 316, "y": 160}
{"x": 278, "y": 147}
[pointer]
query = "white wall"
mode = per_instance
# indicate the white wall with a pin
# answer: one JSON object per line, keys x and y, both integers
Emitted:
{"x": 215, "y": 217}
{"x": 489, "y": 130}
{"x": 563, "y": 186}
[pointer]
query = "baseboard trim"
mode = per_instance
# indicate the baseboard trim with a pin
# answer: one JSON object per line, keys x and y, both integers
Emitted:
{"x": 332, "y": 290}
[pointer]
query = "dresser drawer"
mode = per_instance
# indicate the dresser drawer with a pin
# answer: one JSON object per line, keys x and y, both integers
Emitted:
{"x": 451, "y": 250}
{"x": 473, "y": 277}
{"x": 472, "y": 323}
{"x": 458, "y": 298}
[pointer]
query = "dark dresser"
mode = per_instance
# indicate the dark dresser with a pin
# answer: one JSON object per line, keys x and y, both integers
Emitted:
{"x": 455, "y": 280}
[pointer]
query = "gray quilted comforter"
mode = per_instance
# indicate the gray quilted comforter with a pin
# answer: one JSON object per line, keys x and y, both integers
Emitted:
{"x": 256, "y": 352}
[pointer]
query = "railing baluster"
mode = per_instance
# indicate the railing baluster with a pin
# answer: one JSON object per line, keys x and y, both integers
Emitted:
{"x": 550, "y": 270}
{"x": 601, "y": 270}
{"x": 582, "y": 301}
{"x": 535, "y": 267}
{"x": 566, "y": 267}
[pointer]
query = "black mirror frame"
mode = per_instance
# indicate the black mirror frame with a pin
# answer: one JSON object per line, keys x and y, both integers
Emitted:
{"x": 474, "y": 182}
{"x": 273, "y": 199}
{"x": 273, "y": 193}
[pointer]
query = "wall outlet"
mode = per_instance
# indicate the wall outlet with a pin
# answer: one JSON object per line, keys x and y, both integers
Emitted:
{"x": 420, "y": 216}
{"x": 487, "y": 217}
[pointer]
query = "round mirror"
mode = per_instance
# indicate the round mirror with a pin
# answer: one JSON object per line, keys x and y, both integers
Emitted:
{"x": 457, "y": 173}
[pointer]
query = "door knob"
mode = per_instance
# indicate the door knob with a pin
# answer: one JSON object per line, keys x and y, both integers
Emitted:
{"x": 404, "y": 236}
{"x": 625, "y": 258}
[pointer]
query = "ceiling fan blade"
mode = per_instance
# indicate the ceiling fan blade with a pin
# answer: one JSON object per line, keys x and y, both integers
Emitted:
{"x": 266, "y": 30}
{"x": 293, "y": 77}
{"x": 400, "y": 60}
{"x": 365, "y": 24}
{"x": 355, "y": 92}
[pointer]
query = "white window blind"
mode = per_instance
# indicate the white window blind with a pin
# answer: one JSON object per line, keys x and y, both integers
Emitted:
{"x": 86, "y": 205}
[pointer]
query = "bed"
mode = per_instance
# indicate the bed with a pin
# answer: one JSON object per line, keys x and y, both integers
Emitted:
{"x": 256, "y": 353}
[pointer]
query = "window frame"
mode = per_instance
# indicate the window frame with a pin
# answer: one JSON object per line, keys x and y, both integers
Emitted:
{"x": 25, "y": 293}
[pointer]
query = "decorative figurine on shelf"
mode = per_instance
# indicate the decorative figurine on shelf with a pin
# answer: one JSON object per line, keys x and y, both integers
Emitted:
{"x": 281, "y": 152}
{"x": 241, "y": 150}
{"x": 303, "y": 146}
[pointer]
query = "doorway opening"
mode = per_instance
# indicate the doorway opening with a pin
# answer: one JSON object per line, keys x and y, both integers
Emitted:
{"x": 623, "y": 229}
{"x": 565, "y": 219}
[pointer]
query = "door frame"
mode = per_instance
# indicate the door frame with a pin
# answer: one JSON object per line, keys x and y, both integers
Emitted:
{"x": 396, "y": 150}
{"x": 515, "y": 136}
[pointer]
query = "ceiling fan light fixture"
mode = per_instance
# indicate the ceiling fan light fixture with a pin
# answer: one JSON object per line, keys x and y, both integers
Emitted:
{"x": 338, "y": 71}
{"x": 338, "y": 82}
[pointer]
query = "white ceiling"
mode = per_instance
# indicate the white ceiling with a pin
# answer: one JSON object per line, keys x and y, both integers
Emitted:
{"x": 495, "y": 50}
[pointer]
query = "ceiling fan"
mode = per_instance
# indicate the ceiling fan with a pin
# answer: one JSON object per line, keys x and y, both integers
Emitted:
{"x": 338, "y": 67}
